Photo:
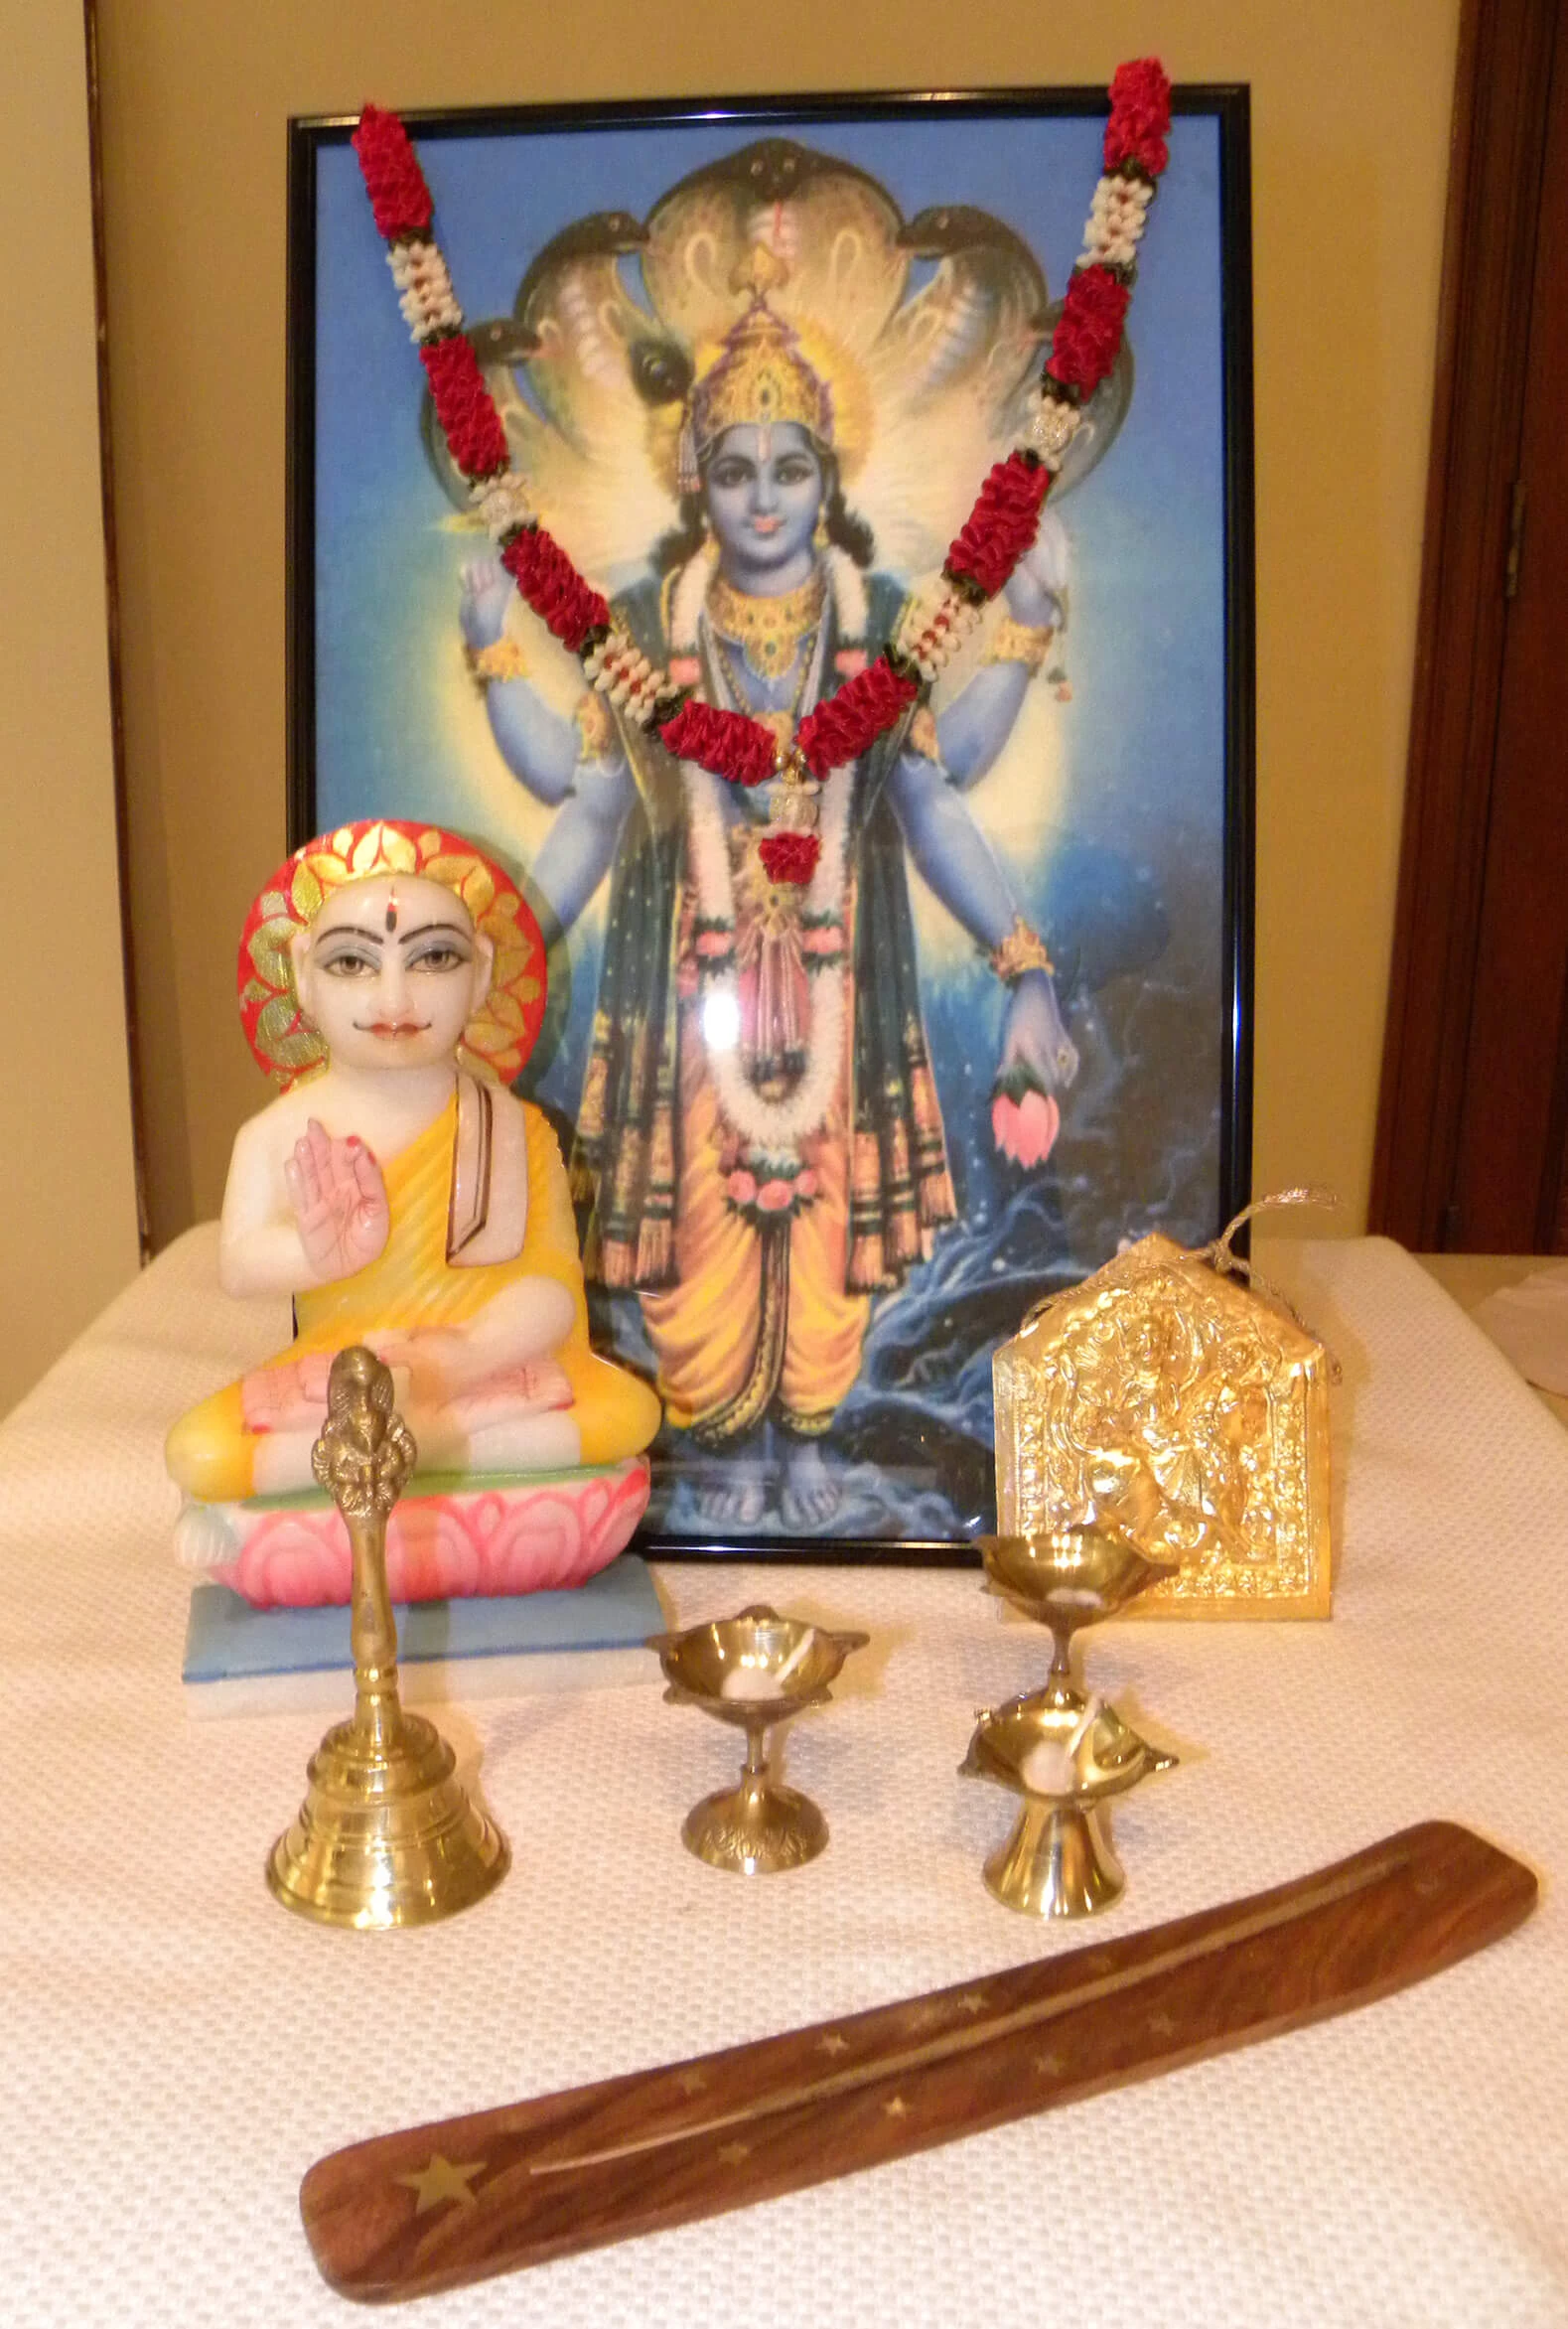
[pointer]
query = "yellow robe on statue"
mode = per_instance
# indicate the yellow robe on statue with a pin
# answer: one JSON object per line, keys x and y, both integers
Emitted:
{"x": 410, "y": 1284}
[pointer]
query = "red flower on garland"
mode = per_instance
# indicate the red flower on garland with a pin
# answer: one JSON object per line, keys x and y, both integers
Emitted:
{"x": 788, "y": 857}
{"x": 1088, "y": 329}
{"x": 552, "y": 586}
{"x": 726, "y": 743}
{"x": 845, "y": 725}
{"x": 1002, "y": 525}
{"x": 394, "y": 179}
{"x": 1140, "y": 116}
{"x": 465, "y": 408}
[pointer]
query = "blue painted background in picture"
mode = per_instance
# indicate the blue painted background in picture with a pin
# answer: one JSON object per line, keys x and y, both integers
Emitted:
{"x": 799, "y": 1215}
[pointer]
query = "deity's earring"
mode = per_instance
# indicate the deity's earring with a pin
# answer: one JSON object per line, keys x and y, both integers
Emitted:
{"x": 819, "y": 533}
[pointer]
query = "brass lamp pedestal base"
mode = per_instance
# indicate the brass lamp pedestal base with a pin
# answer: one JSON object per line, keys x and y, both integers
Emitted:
{"x": 1057, "y": 1862}
{"x": 756, "y": 1828}
{"x": 386, "y": 1836}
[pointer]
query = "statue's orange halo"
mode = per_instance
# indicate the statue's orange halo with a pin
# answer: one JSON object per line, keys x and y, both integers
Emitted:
{"x": 502, "y": 1033}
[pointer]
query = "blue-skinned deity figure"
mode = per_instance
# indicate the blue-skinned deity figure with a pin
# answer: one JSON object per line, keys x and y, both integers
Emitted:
{"x": 760, "y": 1148}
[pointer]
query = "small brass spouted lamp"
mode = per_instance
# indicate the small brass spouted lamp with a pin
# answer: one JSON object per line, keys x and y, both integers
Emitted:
{"x": 758, "y": 1671}
{"x": 1064, "y": 1752}
{"x": 385, "y": 1834}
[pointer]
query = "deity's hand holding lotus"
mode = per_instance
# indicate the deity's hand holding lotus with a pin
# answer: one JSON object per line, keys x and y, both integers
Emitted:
{"x": 392, "y": 980}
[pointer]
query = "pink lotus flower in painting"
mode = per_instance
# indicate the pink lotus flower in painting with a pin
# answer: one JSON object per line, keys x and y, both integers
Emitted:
{"x": 1025, "y": 1130}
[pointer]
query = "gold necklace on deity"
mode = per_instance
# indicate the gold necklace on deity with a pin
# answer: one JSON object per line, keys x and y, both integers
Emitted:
{"x": 767, "y": 629}
{"x": 783, "y": 720}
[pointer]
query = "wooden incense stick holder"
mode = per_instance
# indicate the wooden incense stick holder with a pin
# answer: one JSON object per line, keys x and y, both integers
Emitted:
{"x": 403, "y": 2215}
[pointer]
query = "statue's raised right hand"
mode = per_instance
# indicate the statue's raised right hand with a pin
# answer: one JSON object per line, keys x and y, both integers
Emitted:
{"x": 340, "y": 1202}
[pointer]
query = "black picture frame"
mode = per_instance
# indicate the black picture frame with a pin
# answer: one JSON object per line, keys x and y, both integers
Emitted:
{"x": 826, "y": 123}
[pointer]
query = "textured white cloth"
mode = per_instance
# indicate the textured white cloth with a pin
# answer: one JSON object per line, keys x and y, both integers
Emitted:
{"x": 1529, "y": 1322}
{"x": 177, "y": 2050}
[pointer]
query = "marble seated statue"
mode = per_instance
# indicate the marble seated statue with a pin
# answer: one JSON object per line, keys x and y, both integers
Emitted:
{"x": 392, "y": 982}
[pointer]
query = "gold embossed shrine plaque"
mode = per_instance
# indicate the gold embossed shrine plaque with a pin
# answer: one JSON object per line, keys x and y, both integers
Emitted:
{"x": 1190, "y": 1411}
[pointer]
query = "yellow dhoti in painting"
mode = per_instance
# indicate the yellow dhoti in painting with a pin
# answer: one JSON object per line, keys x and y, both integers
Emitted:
{"x": 760, "y": 1319}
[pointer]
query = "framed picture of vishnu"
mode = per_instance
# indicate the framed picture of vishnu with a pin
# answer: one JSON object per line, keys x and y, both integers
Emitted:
{"x": 829, "y": 1139}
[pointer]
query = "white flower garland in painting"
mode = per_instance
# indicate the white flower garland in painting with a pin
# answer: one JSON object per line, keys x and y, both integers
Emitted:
{"x": 772, "y": 1127}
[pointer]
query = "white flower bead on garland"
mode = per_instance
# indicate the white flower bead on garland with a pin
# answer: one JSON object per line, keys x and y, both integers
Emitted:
{"x": 1116, "y": 220}
{"x": 426, "y": 296}
{"x": 619, "y": 670}
{"x": 933, "y": 629}
{"x": 1049, "y": 430}
{"x": 503, "y": 503}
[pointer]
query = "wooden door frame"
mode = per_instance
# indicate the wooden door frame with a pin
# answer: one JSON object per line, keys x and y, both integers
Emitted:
{"x": 1501, "y": 82}
{"x": 111, "y": 604}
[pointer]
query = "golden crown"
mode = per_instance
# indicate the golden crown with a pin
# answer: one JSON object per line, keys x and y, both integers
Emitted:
{"x": 760, "y": 376}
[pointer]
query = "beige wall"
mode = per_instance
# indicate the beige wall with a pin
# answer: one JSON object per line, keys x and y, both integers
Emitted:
{"x": 1351, "y": 110}
{"x": 67, "y": 1201}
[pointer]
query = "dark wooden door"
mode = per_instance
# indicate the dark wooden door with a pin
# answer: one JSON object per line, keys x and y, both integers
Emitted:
{"x": 1474, "y": 1106}
{"x": 1508, "y": 1182}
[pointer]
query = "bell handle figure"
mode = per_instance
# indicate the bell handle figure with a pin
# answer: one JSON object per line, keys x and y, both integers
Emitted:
{"x": 364, "y": 1459}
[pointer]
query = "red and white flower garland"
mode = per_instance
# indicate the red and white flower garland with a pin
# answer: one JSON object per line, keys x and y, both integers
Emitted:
{"x": 770, "y": 1130}
{"x": 1000, "y": 528}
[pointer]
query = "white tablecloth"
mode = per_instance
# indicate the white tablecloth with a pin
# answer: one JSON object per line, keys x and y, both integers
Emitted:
{"x": 177, "y": 2050}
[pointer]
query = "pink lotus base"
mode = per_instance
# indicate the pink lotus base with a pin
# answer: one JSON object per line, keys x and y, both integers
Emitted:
{"x": 529, "y": 1538}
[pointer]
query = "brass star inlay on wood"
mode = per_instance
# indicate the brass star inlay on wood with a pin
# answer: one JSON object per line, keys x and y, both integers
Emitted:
{"x": 1048, "y": 2065}
{"x": 442, "y": 2181}
{"x": 733, "y": 2153}
{"x": 896, "y": 2108}
{"x": 972, "y": 2002}
{"x": 692, "y": 2082}
{"x": 1162, "y": 2025}
{"x": 833, "y": 2043}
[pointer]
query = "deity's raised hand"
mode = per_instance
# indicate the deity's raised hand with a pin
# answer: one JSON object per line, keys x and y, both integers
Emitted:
{"x": 487, "y": 594}
{"x": 340, "y": 1202}
{"x": 1037, "y": 587}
